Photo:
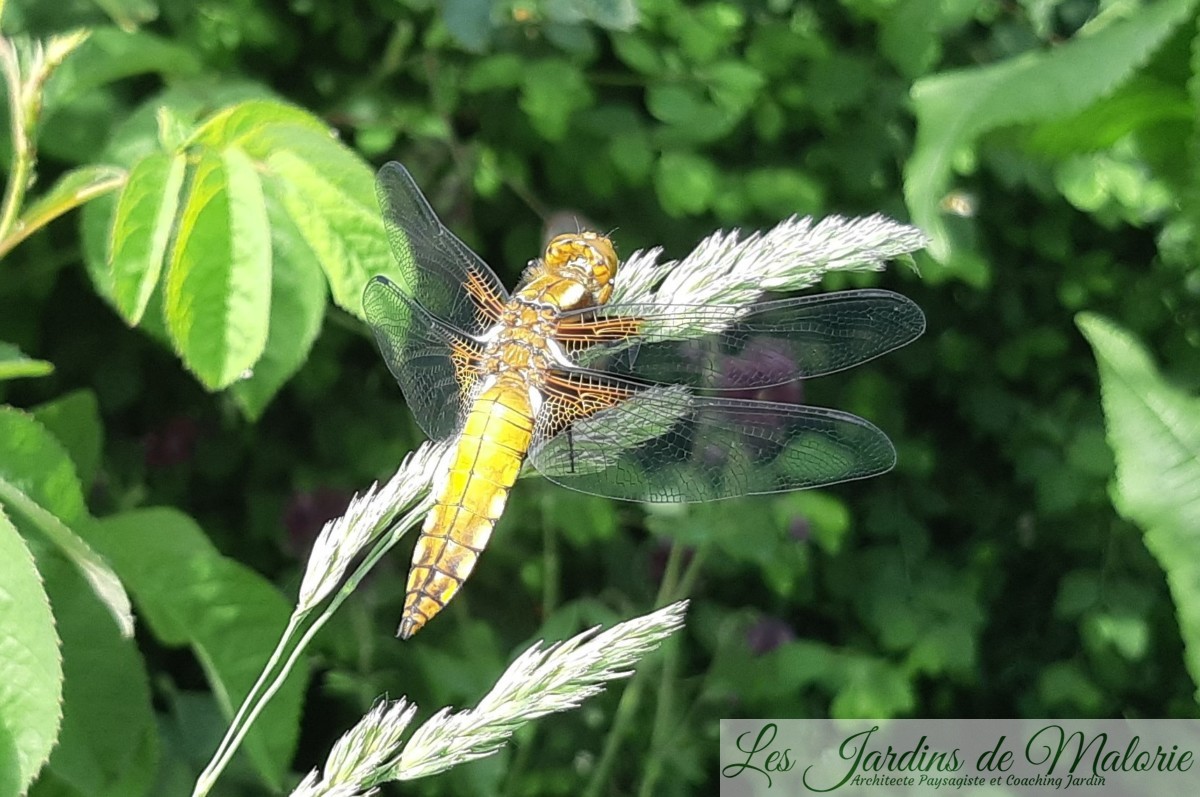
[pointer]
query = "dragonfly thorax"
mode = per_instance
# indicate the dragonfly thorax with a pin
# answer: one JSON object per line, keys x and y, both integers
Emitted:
{"x": 519, "y": 345}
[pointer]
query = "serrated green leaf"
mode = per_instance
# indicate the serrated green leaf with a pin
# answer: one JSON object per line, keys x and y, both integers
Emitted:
{"x": 36, "y": 464}
{"x": 107, "y": 718}
{"x": 330, "y": 195}
{"x": 1154, "y": 432}
{"x": 189, "y": 594}
{"x": 38, "y": 480}
{"x": 15, "y": 365}
{"x": 246, "y": 125}
{"x": 218, "y": 287}
{"x": 141, "y": 231}
{"x": 954, "y": 108}
{"x": 685, "y": 183}
{"x": 74, "y": 420}
{"x": 30, "y": 666}
{"x": 298, "y": 297}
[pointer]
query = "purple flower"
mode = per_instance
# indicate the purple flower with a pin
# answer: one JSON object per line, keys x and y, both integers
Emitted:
{"x": 767, "y": 634}
{"x": 799, "y": 529}
{"x": 172, "y": 443}
{"x": 763, "y": 361}
{"x": 307, "y": 512}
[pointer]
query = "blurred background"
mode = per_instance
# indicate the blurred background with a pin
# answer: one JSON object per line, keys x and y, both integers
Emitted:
{"x": 1033, "y": 553}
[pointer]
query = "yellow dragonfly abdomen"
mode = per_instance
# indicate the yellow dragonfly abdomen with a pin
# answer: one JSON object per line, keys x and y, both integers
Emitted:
{"x": 469, "y": 499}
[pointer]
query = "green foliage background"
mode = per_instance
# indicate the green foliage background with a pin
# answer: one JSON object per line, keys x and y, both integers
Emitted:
{"x": 214, "y": 396}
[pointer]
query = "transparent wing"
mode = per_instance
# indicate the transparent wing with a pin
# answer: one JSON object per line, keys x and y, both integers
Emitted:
{"x": 439, "y": 270}
{"x": 732, "y": 347}
{"x": 434, "y": 363}
{"x": 663, "y": 443}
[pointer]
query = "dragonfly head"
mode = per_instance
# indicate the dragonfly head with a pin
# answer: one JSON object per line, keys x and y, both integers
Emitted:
{"x": 586, "y": 257}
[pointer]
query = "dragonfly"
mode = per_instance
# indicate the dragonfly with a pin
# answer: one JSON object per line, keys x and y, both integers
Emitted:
{"x": 602, "y": 397}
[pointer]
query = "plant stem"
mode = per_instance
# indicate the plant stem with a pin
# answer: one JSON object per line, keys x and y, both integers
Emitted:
{"x": 22, "y": 161}
{"x": 551, "y": 571}
{"x": 237, "y": 733}
{"x": 631, "y": 699}
{"x": 229, "y": 743}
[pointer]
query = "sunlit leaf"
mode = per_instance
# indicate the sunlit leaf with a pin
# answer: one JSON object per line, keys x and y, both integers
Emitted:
{"x": 298, "y": 298}
{"x": 141, "y": 231}
{"x": 252, "y": 126}
{"x": 218, "y": 286}
{"x": 330, "y": 195}
{"x": 15, "y": 365}
{"x": 30, "y": 666}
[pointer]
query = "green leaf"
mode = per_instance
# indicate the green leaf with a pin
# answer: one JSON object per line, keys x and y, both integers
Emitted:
{"x": 639, "y": 54}
{"x": 688, "y": 114}
{"x": 912, "y": 36}
{"x": 218, "y": 287}
{"x": 1140, "y": 104}
{"x": 685, "y": 183}
{"x": 298, "y": 297}
{"x": 15, "y": 365}
{"x": 30, "y": 666}
{"x": 330, "y": 195}
{"x": 141, "y": 231}
{"x": 254, "y": 126}
{"x": 552, "y": 90}
{"x": 74, "y": 420}
{"x": 733, "y": 85}
{"x": 500, "y": 71}
{"x": 608, "y": 14}
{"x": 469, "y": 22}
{"x": 69, "y": 192}
{"x": 872, "y": 687}
{"x": 108, "y": 743}
{"x": 38, "y": 480}
{"x": 784, "y": 192}
{"x": 189, "y": 594}
{"x": 109, "y": 55}
{"x": 1154, "y": 432}
{"x": 35, "y": 464}
{"x": 129, "y": 14}
{"x": 954, "y": 108}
